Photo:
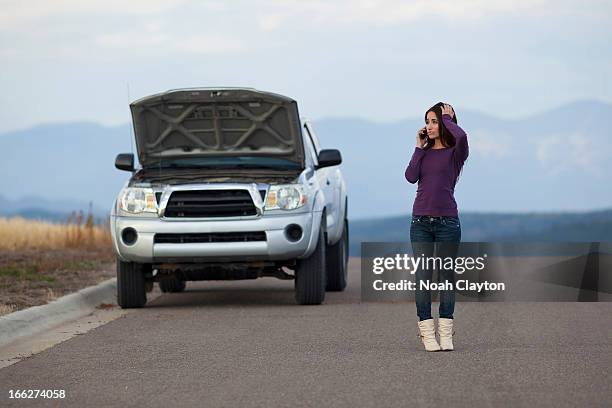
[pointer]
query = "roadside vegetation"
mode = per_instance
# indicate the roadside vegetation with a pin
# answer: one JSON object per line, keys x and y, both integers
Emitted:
{"x": 41, "y": 260}
{"x": 76, "y": 232}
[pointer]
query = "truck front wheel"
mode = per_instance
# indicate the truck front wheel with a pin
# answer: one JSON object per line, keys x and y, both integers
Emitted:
{"x": 337, "y": 260}
{"x": 131, "y": 288}
{"x": 310, "y": 277}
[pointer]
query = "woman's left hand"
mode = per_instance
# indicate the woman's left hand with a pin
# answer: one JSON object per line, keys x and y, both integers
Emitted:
{"x": 448, "y": 110}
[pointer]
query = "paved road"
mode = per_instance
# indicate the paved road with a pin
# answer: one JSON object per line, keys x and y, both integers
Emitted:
{"x": 246, "y": 343}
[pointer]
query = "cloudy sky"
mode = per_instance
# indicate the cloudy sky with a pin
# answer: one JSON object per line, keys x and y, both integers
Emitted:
{"x": 66, "y": 60}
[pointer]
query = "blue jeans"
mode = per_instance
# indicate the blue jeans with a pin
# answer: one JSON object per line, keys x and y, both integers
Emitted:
{"x": 425, "y": 230}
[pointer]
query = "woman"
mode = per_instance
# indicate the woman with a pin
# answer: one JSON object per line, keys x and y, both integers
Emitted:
{"x": 438, "y": 158}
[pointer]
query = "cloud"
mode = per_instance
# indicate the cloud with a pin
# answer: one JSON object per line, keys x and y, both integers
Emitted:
{"x": 16, "y": 15}
{"x": 564, "y": 152}
{"x": 154, "y": 36}
{"x": 489, "y": 144}
{"x": 130, "y": 40}
{"x": 203, "y": 27}
{"x": 271, "y": 15}
{"x": 548, "y": 151}
{"x": 274, "y": 14}
{"x": 210, "y": 44}
{"x": 270, "y": 22}
{"x": 338, "y": 57}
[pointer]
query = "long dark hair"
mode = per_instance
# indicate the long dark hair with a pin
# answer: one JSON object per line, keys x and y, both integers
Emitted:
{"x": 446, "y": 137}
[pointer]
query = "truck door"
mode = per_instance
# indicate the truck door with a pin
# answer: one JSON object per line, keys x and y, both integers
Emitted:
{"x": 330, "y": 186}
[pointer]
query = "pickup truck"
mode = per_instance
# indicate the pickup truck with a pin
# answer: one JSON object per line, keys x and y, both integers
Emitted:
{"x": 231, "y": 184}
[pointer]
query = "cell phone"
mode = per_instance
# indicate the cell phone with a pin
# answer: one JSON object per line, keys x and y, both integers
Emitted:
{"x": 423, "y": 134}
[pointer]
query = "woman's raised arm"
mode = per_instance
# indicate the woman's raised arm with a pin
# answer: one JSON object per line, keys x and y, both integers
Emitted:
{"x": 462, "y": 149}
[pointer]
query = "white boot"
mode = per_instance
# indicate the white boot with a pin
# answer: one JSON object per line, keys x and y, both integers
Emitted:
{"x": 428, "y": 335}
{"x": 445, "y": 331}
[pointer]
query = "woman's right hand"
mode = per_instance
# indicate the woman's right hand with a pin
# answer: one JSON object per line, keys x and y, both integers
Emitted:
{"x": 420, "y": 142}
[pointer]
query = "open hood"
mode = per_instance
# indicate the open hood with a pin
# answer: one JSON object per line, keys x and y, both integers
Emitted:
{"x": 217, "y": 122}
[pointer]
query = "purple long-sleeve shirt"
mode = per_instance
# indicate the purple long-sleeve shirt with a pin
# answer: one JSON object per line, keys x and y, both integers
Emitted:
{"x": 437, "y": 171}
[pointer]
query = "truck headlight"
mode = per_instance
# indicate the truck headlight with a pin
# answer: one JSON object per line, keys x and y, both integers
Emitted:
{"x": 286, "y": 197}
{"x": 137, "y": 200}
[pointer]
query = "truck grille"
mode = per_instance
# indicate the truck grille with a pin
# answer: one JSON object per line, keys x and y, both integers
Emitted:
{"x": 210, "y": 203}
{"x": 210, "y": 237}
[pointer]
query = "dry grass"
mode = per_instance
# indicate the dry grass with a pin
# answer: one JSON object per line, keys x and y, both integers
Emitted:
{"x": 41, "y": 261}
{"x": 6, "y": 309}
{"x": 19, "y": 234}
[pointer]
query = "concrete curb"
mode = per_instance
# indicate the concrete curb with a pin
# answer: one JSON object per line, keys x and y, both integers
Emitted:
{"x": 39, "y": 318}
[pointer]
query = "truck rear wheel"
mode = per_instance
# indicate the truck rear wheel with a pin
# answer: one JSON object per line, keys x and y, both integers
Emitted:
{"x": 310, "y": 277}
{"x": 337, "y": 260}
{"x": 172, "y": 285}
{"x": 131, "y": 290}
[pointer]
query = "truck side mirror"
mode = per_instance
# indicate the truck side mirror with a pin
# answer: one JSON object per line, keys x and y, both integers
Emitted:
{"x": 125, "y": 161}
{"x": 329, "y": 157}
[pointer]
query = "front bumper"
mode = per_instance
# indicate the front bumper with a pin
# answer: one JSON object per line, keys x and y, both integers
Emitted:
{"x": 276, "y": 247}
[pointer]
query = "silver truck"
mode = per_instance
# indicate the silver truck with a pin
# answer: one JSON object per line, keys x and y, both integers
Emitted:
{"x": 232, "y": 184}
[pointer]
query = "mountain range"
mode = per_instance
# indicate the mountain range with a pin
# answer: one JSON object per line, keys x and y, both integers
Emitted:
{"x": 558, "y": 160}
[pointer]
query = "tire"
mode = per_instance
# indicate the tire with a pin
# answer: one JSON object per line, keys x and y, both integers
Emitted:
{"x": 131, "y": 291}
{"x": 337, "y": 260}
{"x": 310, "y": 277}
{"x": 172, "y": 285}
